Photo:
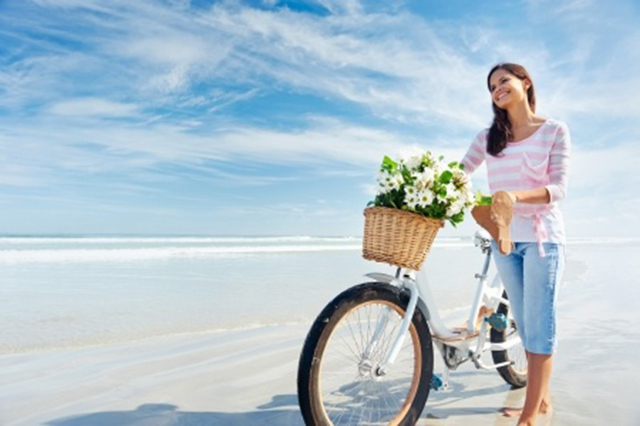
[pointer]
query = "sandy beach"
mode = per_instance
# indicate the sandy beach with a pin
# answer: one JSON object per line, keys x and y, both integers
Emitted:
{"x": 247, "y": 376}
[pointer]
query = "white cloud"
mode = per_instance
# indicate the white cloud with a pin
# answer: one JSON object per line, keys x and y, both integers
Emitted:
{"x": 327, "y": 141}
{"x": 93, "y": 106}
{"x": 174, "y": 72}
{"x": 400, "y": 66}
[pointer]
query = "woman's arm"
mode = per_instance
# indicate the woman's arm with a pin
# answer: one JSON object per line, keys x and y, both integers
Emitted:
{"x": 531, "y": 196}
{"x": 476, "y": 153}
{"x": 558, "y": 174}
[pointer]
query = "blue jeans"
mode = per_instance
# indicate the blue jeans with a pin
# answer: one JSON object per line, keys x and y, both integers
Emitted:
{"x": 532, "y": 285}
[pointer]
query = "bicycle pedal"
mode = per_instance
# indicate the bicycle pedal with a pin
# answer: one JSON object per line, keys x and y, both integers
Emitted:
{"x": 436, "y": 383}
{"x": 497, "y": 321}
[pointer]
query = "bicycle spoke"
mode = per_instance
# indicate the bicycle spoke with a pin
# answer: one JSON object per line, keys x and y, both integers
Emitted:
{"x": 352, "y": 392}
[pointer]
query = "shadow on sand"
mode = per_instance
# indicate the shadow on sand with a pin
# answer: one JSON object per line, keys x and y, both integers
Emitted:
{"x": 282, "y": 410}
{"x": 273, "y": 413}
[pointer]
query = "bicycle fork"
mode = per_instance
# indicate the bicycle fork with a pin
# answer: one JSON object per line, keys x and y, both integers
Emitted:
{"x": 401, "y": 333}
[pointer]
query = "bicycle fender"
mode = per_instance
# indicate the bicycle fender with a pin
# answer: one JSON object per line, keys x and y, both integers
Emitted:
{"x": 423, "y": 308}
{"x": 390, "y": 279}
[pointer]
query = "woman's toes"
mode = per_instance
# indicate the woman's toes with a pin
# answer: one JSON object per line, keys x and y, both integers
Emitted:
{"x": 511, "y": 412}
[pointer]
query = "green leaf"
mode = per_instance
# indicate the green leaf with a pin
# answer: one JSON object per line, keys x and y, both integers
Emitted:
{"x": 452, "y": 164}
{"x": 388, "y": 164}
{"x": 445, "y": 177}
{"x": 482, "y": 200}
{"x": 406, "y": 175}
{"x": 458, "y": 218}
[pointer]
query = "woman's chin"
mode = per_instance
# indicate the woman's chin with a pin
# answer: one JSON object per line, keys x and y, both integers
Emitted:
{"x": 501, "y": 105}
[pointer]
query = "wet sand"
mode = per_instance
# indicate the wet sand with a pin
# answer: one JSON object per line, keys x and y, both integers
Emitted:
{"x": 248, "y": 377}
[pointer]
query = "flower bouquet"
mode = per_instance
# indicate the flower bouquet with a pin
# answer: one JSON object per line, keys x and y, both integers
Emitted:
{"x": 416, "y": 195}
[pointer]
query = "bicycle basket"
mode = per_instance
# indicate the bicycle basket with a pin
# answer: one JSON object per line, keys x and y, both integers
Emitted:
{"x": 398, "y": 237}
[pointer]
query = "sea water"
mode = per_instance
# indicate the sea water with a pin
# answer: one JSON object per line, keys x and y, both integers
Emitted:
{"x": 61, "y": 292}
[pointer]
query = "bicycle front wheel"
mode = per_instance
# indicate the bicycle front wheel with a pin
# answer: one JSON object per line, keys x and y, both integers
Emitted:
{"x": 339, "y": 382}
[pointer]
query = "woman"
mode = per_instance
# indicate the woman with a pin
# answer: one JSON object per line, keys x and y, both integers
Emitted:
{"x": 527, "y": 157}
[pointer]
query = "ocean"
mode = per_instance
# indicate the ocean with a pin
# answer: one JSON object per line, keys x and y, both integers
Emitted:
{"x": 66, "y": 292}
{"x": 62, "y": 292}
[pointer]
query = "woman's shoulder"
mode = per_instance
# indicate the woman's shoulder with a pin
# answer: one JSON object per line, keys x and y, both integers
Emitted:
{"x": 556, "y": 124}
{"x": 482, "y": 134}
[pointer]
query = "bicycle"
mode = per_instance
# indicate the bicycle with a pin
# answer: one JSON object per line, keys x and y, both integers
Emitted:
{"x": 368, "y": 357}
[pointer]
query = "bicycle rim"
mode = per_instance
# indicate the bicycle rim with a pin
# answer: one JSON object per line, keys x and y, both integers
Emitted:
{"x": 516, "y": 353}
{"x": 351, "y": 392}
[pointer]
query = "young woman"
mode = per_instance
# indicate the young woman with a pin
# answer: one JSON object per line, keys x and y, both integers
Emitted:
{"x": 528, "y": 157}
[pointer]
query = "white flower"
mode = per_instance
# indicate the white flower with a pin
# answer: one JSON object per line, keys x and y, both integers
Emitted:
{"x": 411, "y": 157}
{"x": 424, "y": 179}
{"x": 384, "y": 180}
{"x": 388, "y": 181}
{"x": 413, "y": 162}
{"x": 411, "y": 200}
{"x": 425, "y": 198}
{"x": 383, "y": 176}
{"x": 424, "y": 168}
{"x": 455, "y": 208}
{"x": 396, "y": 181}
{"x": 469, "y": 197}
{"x": 452, "y": 191}
{"x": 460, "y": 177}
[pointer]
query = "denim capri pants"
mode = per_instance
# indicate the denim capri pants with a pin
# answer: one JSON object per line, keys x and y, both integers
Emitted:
{"x": 532, "y": 283}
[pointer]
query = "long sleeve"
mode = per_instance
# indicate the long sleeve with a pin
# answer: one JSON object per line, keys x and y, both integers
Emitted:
{"x": 476, "y": 153}
{"x": 559, "y": 165}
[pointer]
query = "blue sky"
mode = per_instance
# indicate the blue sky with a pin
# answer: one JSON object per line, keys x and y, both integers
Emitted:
{"x": 270, "y": 117}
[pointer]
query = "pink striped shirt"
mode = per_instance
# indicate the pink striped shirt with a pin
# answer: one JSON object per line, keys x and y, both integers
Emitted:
{"x": 541, "y": 160}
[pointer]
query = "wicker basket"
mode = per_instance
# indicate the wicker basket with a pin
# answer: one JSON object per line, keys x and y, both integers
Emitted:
{"x": 398, "y": 237}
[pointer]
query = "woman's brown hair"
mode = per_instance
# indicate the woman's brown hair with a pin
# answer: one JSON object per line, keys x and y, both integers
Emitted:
{"x": 500, "y": 131}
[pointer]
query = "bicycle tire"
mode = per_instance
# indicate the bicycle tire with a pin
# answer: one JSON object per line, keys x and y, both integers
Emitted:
{"x": 514, "y": 374}
{"x": 361, "y": 401}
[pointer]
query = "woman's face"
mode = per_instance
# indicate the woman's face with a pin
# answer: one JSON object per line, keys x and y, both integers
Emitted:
{"x": 507, "y": 89}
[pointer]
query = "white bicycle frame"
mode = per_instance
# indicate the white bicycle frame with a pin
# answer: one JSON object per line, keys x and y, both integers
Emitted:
{"x": 468, "y": 343}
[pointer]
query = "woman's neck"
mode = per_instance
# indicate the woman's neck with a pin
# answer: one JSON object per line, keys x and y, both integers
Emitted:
{"x": 520, "y": 115}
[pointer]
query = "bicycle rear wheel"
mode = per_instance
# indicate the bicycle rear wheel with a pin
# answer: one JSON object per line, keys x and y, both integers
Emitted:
{"x": 338, "y": 383}
{"x": 516, "y": 373}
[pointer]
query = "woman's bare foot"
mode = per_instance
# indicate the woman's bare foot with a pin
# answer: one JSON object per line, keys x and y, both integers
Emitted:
{"x": 511, "y": 411}
{"x": 545, "y": 408}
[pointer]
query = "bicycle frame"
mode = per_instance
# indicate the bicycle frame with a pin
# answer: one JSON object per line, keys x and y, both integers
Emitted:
{"x": 456, "y": 345}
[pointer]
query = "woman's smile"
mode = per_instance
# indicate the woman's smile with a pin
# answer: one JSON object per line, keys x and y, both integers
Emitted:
{"x": 502, "y": 95}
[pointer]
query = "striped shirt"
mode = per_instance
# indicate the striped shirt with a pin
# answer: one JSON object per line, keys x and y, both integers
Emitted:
{"x": 541, "y": 160}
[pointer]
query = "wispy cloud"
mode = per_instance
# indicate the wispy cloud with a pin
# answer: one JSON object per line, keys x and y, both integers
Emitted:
{"x": 93, "y": 106}
{"x": 145, "y": 93}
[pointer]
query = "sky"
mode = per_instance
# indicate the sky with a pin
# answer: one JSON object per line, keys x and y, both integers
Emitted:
{"x": 270, "y": 117}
